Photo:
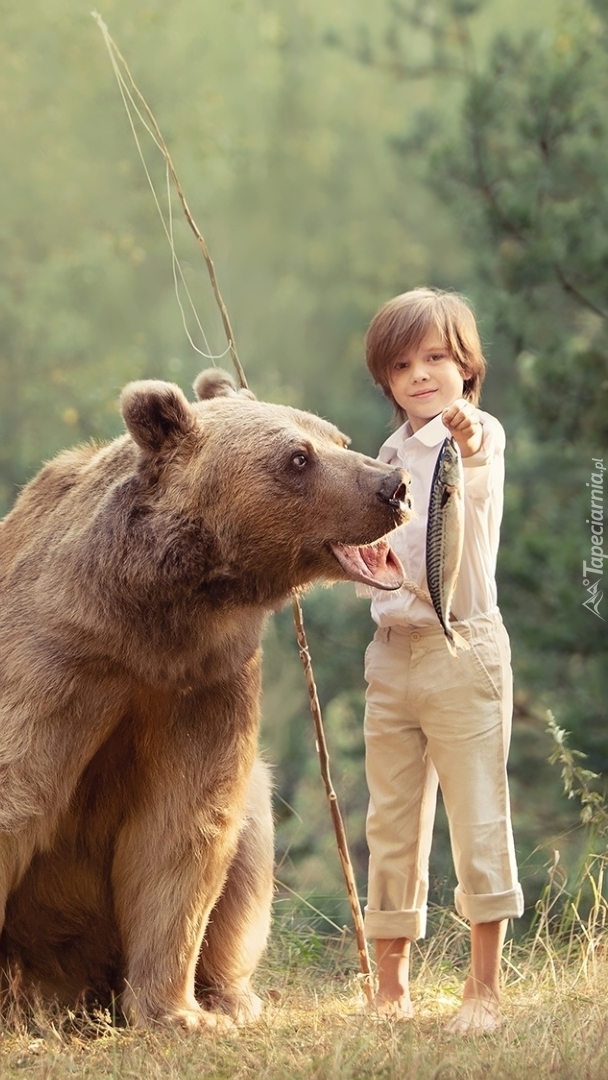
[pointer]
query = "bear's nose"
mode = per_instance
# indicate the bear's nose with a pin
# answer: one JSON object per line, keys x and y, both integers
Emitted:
{"x": 400, "y": 498}
{"x": 396, "y": 495}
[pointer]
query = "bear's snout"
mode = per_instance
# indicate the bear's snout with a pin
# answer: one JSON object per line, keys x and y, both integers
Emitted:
{"x": 396, "y": 494}
{"x": 394, "y": 490}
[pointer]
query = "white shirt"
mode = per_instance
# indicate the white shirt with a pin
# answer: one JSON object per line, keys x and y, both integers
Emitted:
{"x": 484, "y": 474}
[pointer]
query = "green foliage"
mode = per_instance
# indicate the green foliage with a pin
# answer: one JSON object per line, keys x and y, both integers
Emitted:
{"x": 577, "y": 780}
{"x": 76, "y": 275}
{"x": 521, "y": 162}
{"x": 528, "y": 172}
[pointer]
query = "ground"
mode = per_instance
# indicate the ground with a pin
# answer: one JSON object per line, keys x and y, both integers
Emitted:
{"x": 556, "y": 1025}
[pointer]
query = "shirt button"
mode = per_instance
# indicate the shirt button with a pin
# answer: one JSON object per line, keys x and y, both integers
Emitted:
{"x": 415, "y": 636}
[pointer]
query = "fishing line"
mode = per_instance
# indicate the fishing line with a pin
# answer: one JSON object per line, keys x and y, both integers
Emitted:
{"x": 176, "y": 266}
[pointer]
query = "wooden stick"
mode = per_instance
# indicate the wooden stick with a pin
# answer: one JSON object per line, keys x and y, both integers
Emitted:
{"x": 315, "y": 707}
{"x": 343, "y": 852}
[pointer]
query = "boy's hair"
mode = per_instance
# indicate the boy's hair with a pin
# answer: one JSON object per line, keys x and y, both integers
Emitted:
{"x": 403, "y": 322}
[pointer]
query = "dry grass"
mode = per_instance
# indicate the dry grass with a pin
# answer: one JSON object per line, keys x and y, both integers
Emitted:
{"x": 556, "y": 1019}
{"x": 552, "y": 1029}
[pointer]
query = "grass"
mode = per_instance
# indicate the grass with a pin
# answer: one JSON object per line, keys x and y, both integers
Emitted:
{"x": 555, "y": 1002}
{"x": 556, "y": 1025}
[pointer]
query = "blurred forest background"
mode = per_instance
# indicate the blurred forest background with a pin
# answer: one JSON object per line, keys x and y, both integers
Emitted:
{"x": 333, "y": 153}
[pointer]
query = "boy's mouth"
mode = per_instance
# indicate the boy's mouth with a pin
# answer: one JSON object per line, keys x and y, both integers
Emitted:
{"x": 423, "y": 393}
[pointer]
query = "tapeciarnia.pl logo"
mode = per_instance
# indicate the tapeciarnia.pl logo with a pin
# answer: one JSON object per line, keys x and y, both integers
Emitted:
{"x": 596, "y": 521}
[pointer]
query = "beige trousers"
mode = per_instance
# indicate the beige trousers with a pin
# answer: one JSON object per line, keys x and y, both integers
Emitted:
{"x": 433, "y": 718}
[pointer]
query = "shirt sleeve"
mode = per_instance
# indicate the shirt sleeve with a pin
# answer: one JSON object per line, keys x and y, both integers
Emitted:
{"x": 486, "y": 466}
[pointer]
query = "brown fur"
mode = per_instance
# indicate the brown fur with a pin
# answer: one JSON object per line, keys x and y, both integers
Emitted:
{"x": 135, "y": 822}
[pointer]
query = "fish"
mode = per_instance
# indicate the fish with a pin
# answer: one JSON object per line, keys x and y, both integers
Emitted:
{"x": 445, "y": 538}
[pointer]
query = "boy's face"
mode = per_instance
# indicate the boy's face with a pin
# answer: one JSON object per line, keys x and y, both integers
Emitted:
{"x": 425, "y": 380}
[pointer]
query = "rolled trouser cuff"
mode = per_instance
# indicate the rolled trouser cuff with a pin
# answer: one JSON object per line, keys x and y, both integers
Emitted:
{"x": 395, "y": 924}
{"x": 493, "y": 907}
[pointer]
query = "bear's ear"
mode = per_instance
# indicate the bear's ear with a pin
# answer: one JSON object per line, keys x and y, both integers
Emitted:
{"x": 156, "y": 413}
{"x": 217, "y": 383}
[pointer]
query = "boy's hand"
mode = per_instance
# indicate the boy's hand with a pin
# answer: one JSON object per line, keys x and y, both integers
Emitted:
{"x": 462, "y": 421}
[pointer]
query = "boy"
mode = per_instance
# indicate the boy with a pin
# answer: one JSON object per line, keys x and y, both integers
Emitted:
{"x": 430, "y": 717}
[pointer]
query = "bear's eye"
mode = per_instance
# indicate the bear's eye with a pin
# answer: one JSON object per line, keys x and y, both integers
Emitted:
{"x": 300, "y": 460}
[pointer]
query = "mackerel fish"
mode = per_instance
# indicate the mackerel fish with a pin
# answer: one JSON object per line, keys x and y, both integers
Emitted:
{"x": 445, "y": 537}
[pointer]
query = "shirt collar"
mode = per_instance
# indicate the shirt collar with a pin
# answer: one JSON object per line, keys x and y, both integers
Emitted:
{"x": 430, "y": 434}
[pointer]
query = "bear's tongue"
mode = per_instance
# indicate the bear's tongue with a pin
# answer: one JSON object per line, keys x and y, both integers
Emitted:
{"x": 375, "y": 564}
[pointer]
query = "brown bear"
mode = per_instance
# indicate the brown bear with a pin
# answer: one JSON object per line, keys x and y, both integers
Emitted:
{"x": 136, "y": 842}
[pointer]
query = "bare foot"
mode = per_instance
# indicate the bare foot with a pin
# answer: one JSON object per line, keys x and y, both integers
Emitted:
{"x": 399, "y": 1008}
{"x": 392, "y": 998}
{"x": 476, "y": 1015}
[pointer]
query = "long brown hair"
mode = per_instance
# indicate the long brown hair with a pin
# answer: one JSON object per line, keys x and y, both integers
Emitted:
{"x": 403, "y": 322}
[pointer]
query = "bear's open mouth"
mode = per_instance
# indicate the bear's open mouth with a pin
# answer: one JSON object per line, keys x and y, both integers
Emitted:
{"x": 373, "y": 564}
